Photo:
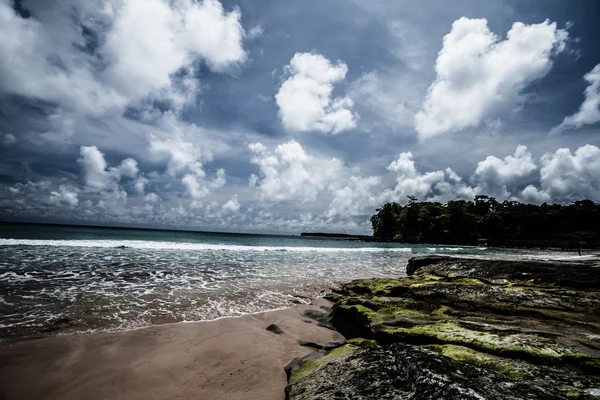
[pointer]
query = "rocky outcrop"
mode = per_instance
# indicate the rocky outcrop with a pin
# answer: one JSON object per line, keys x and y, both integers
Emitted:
{"x": 400, "y": 371}
{"x": 524, "y": 329}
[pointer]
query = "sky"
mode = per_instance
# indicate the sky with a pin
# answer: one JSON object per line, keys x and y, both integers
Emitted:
{"x": 291, "y": 116}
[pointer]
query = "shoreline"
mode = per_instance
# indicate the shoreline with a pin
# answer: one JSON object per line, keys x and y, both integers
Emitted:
{"x": 226, "y": 358}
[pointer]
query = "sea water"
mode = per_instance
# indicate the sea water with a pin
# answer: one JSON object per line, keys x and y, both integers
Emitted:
{"x": 68, "y": 279}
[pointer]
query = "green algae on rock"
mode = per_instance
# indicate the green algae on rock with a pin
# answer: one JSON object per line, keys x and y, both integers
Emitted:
{"x": 401, "y": 371}
{"x": 528, "y": 321}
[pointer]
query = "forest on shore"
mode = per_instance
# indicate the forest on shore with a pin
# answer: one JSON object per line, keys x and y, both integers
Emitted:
{"x": 487, "y": 221}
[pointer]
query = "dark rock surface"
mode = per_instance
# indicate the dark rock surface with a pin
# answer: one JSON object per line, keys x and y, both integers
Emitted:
{"x": 323, "y": 318}
{"x": 275, "y": 329}
{"x": 533, "y": 323}
{"x": 399, "y": 371}
{"x": 328, "y": 346}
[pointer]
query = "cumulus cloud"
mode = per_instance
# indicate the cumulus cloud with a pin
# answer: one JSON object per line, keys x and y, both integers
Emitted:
{"x": 140, "y": 184}
{"x": 232, "y": 206}
{"x": 64, "y": 195}
{"x": 136, "y": 49}
{"x": 589, "y": 111}
{"x": 494, "y": 174}
{"x": 180, "y": 154}
{"x": 305, "y": 98}
{"x": 94, "y": 166}
{"x": 153, "y": 39}
{"x": 561, "y": 177}
{"x": 434, "y": 185}
{"x": 565, "y": 176}
{"x": 128, "y": 168}
{"x": 533, "y": 195}
{"x": 97, "y": 176}
{"x": 195, "y": 187}
{"x": 220, "y": 179}
{"x": 289, "y": 173}
{"x": 479, "y": 75}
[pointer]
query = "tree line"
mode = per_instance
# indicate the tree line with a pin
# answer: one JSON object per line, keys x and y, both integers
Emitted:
{"x": 485, "y": 220}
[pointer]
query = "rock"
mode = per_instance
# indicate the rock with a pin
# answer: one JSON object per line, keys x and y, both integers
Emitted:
{"x": 568, "y": 274}
{"x": 329, "y": 346}
{"x": 399, "y": 371}
{"x": 530, "y": 321}
{"x": 417, "y": 262}
{"x": 323, "y": 318}
{"x": 334, "y": 344}
{"x": 310, "y": 344}
{"x": 332, "y": 296}
{"x": 314, "y": 314}
{"x": 275, "y": 329}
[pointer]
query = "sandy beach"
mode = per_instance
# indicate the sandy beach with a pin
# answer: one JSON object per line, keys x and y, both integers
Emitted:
{"x": 230, "y": 358}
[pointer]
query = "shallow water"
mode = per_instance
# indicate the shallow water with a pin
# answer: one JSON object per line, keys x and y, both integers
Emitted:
{"x": 56, "y": 280}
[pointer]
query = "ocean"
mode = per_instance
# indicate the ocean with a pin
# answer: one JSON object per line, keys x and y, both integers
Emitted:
{"x": 69, "y": 279}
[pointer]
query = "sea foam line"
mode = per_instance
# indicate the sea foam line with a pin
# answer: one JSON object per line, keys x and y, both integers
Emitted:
{"x": 161, "y": 245}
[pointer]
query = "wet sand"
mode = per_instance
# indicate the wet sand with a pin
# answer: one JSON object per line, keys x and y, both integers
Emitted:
{"x": 232, "y": 358}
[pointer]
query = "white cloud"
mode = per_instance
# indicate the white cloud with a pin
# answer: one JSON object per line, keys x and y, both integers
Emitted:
{"x": 533, "y": 195}
{"x": 493, "y": 174}
{"x": 479, "y": 75}
{"x": 589, "y": 111}
{"x": 255, "y": 32}
{"x": 289, "y": 173}
{"x": 64, "y": 195}
{"x": 128, "y": 168}
{"x": 195, "y": 187}
{"x": 180, "y": 154}
{"x": 358, "y": 197}
{"x": 28, "y": 67}
{"x": 97, "y": 176}
{"x": 214, "y": 34}
{"x": 564, "y": 177}
{"x": 140, "y": 185}
{"x": 220, "y": 180}
{"x": 304, "y": 99}
{"x": 147, "y": 49}
{"x": 435, "y": 185}
{"x": 153, "y": 39}
{"x": 568, "y": 177}
{"x": 232, "y": 206}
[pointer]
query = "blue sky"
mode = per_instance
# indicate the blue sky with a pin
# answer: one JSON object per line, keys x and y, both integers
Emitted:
{"x": 283, "y": 117}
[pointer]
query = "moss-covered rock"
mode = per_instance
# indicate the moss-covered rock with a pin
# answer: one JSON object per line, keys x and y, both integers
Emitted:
{"x": 401, "y": 371}
{"x": 530, "y": 321}
{"x": 565, "y": 382}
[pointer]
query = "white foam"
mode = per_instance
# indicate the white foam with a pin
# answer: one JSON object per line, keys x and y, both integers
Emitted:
{"x": 161, "y": 245}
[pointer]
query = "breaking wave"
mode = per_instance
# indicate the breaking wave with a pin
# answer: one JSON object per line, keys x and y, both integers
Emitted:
{"x": 163, "y": 245}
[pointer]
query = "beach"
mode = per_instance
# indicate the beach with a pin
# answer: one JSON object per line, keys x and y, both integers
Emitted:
{"x": 228, "y": 358}
{"x": 91, "y": 313}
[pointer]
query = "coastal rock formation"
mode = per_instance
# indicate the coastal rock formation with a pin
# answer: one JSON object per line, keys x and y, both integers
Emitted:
{"x": 520, "y": 329}
{"x": 400, "y": 371}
